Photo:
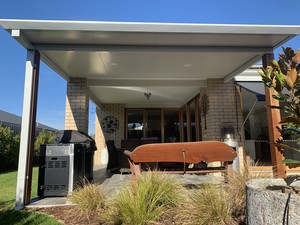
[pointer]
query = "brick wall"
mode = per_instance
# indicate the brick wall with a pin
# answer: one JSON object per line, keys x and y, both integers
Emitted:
{"x": 116, "y": 110}
{"x": 77, "y": 105}
{"x": 224, "y": 111}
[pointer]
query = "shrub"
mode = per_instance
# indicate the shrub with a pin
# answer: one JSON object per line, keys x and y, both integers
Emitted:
{"x": 236, "y": 189}
{"x": 147, "y": 199}
{"x": 89, "y": 198}
{"x": 206, "y": 205}
{"x": 9, "y": 149}
{"x": 43, "y": 138}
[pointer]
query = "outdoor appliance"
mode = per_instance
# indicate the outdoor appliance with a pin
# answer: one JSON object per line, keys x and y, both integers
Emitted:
{"x": 65, "y": 164}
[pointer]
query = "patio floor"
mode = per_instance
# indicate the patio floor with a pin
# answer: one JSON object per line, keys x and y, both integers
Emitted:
{"x": 113, "y": 182}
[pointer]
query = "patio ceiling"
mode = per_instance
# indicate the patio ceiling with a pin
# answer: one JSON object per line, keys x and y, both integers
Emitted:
{"x": 123, "y": 60}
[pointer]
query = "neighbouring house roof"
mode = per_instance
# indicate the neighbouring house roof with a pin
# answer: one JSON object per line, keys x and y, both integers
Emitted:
{"x": 13, "y": 119}
{"x": 122, "y": 60}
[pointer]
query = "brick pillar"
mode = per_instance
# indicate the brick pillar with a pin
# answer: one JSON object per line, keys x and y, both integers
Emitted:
{"x": 224, "y": 111}
{"x": 77, "y": 105}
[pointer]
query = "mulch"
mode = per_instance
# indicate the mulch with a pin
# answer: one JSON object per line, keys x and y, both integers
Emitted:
{"x": 69, "y": 215}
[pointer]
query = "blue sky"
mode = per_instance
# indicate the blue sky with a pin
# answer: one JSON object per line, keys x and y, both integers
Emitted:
{"x": 52, "y": 89}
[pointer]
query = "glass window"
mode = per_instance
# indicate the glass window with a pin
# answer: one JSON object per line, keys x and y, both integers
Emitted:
{"x": 153, "y": 124}
{"x": 184, "y": 123}
{"x": 135, "y": 124}
{"x": 192, "y": 117}
{"x": 171, "y": 125}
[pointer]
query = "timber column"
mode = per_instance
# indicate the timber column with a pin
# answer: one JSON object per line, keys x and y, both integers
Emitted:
{"x": 77, "y": 105}
{"x": 273, "y": 117}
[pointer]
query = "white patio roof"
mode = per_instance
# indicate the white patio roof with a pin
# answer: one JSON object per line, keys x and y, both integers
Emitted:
{"x": 123, "y": 60}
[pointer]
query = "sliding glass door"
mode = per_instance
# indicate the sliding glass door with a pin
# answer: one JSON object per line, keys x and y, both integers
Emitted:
{"x": 165, "y": 125}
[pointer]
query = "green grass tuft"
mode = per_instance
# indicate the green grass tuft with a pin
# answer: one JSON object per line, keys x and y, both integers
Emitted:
{"x": 206, "y": 205}
{"x": 236, "y": 189}
{"x": 89, "y": 199}
{"x": 147, "y": 199}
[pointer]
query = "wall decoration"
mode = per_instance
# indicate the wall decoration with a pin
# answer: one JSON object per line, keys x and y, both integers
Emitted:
{"x": 204, "y": 107}
{"x": 110, "y": 124}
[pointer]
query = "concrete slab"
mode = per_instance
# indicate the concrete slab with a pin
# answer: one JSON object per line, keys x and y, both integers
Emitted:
{"x": 99, "y": 177}
{"x": 112, "y": 183}
{"x": 48, "y": 202}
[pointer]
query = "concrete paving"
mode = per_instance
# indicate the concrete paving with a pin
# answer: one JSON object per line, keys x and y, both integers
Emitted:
{"x": 100, "y": 176}
{"x": 112, "y": 183}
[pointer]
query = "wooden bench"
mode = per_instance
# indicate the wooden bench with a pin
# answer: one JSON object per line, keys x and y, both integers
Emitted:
{"x": 185, "y": 153}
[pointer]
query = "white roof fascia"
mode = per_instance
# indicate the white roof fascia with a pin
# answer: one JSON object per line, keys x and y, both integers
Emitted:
{"x": 148, "y": 27}
{"x": 148, "y": 48}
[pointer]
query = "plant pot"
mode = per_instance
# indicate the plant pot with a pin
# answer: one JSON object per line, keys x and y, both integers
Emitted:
{"x": 267, "y": 204}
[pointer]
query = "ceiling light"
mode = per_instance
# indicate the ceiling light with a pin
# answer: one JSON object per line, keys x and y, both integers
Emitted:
{"x": 147, "y": 95}
{"x": 187, "y": 65}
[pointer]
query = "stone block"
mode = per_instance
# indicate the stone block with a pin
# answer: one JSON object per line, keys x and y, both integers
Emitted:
{"x": 269, "y": 206}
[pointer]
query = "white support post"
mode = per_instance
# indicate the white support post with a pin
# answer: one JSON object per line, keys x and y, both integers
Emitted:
{"x": 28, "y": 129}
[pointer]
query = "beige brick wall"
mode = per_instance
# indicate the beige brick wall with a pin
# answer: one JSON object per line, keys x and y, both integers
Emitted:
{"x": 77, "y": 105}
{"x": 116, "y": 110}
{"x": 224, "y": 111}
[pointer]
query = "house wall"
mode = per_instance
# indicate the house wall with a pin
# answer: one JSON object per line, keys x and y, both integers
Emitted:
{"x": 76, "y": 117}
{"x": 224, "y": 111}
{"x": 116, "y": 110}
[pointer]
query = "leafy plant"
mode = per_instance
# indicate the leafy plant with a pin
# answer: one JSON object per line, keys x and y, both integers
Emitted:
{"x": 282, "y": 75}
{"x": 9, "y": 149}
{"x": 43, "y": 138}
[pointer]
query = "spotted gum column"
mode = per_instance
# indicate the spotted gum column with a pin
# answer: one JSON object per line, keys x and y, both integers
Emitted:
{"x": 273, "y": 117}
